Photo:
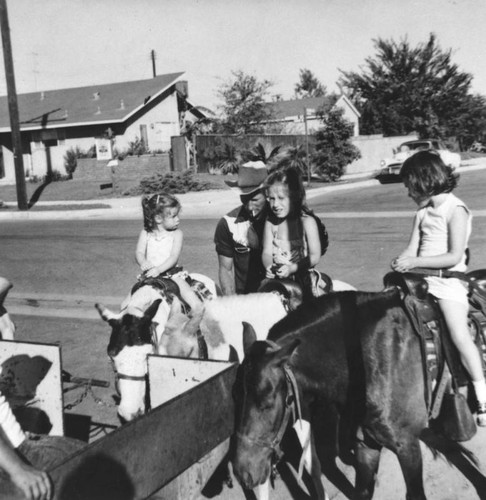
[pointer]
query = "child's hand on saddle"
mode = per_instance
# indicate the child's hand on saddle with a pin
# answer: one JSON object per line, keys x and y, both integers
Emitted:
{"x": 269, "y": 272}
{"x": 284, "y": 271}
{"x": 152, "y": 272}
{"x": 404, "y": 264}
{"x": 145, "y": 266}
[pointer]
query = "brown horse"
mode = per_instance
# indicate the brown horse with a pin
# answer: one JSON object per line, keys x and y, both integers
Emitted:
{"x": 356, "y": 362}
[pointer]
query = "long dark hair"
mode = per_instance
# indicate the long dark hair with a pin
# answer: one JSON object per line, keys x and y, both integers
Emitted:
{"x": 157, "y": 204}
{"x": 292, "y": 178}
{"x": 427, "y": 175}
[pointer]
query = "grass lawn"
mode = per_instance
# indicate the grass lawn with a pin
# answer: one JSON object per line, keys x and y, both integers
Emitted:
{"x": 76, "y": 190}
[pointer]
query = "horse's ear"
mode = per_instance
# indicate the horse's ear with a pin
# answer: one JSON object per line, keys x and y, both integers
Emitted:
{"x": 284, "y": 352}
{"x": 249, "y": 336}
{"x": 152, "y": 309}
{"x": 105, "y": 313}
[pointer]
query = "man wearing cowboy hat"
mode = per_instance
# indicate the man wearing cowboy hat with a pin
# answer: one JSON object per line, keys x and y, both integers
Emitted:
{"x": 239, "y": 234}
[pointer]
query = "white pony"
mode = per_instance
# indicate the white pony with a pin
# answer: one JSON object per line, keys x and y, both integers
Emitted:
{"x": 221, "y": 323}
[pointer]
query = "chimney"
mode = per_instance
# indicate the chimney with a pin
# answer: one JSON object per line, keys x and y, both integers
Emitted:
{"x": 42, "y": 96}
{"x": 122, "y": 104}
{"x": 98, "y": 112}
{"x": 96, "y": 96}
{"x": 66, "y": 113}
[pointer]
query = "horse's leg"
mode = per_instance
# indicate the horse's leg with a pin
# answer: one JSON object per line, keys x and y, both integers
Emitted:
{"x": 410, "y": 459}
{"x": 367, "y": 461}
{"x": 325, "y": 430}
{"x": 263, "y": 490}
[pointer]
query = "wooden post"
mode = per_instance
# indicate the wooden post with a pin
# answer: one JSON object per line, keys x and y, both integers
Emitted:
{"x": 13, "y": 108}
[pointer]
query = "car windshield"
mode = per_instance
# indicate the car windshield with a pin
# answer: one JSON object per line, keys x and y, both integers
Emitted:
{"x": 415, "y": 146}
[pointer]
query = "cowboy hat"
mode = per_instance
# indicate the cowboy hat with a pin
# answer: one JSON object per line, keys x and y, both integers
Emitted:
{"x": 250, "y": 177}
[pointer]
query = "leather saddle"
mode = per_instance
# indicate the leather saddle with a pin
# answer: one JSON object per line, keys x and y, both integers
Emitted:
{"x": 439, "y": 355}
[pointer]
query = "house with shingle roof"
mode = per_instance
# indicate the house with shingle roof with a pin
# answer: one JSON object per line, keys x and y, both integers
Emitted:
{"x": 53, "y": 121}
{"x": 288, "y": 115}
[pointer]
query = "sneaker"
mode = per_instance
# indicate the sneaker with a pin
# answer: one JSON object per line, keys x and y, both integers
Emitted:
{"x": 481, "y": 415}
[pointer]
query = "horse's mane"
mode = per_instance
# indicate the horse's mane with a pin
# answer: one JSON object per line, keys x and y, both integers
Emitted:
{"x": 327, "y": 308}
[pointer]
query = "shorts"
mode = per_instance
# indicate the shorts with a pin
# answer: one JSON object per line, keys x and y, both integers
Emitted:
{"x": 448, "y": 289}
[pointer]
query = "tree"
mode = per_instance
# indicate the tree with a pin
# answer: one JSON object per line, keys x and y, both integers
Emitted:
{"x": 244, "y": 109}
{"x": 333, "y": 148}
{"x": 309, "y": 85}
{"x": 405, "y": 89}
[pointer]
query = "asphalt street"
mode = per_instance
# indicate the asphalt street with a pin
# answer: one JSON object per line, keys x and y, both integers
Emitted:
{"x": 61, "y": 267}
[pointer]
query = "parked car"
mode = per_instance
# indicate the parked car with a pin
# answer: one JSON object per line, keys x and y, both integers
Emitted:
{"x": 390, "y": 167}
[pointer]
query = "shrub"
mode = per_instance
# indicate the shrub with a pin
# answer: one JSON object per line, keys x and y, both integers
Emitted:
{"x": 137, "y": 147}
{"x": 258, "y": 153}
{"x": 55, "y": 176}
{"x": 223, "y": 158}
{"x": 292, "y": 157}
{"x": 71, "y": 159}
{"x": 333, "y": 149}
{"x": 171, "y": 182}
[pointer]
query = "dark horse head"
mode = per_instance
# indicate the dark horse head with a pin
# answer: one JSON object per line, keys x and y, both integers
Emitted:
{"x": 265, "y": 409}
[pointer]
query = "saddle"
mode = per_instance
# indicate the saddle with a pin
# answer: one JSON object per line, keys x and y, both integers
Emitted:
{"x": 441, "y": 362}
{"x": 169, "y": 288}
{"x": 291, "y": 291}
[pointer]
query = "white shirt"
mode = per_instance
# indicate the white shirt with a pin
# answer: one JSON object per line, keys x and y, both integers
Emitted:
{"x": 434, "y": 230}
{"x": 9, "y": 423}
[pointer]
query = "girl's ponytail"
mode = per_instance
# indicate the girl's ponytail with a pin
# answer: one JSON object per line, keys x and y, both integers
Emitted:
{"x": 148, "y": 207}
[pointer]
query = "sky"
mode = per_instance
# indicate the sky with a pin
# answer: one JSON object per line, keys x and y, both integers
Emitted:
{"x": 75, "y": 43}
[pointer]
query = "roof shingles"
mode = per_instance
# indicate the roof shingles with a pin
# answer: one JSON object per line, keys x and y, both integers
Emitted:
{"x": 80, "y": 106}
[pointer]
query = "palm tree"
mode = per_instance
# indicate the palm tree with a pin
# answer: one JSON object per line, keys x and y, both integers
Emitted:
{"x": 258, "y": 153}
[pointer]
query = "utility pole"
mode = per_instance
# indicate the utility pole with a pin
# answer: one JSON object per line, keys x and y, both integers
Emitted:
{"x": 13, "y": 108}
{"x": 152, "y": 55}
{"x": 307, "y": 147}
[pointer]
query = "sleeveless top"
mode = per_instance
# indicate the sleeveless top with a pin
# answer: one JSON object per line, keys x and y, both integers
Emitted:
{"x": 434, "y": 231}
{"x": 288, "y": 251}
{"x": 159, "y": 248}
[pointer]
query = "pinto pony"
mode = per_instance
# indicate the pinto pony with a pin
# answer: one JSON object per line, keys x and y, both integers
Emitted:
{"x": 136, "y": 332}
{"x": 356, "y": 362}
{"x": 221, "y": 324}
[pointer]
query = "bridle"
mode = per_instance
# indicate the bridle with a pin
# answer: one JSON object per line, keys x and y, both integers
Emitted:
{"x": 292, "y": 407}
{"x": 124, "y": 376}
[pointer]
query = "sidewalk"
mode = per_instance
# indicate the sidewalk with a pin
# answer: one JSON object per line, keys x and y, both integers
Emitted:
{"x": 195, "y": 205}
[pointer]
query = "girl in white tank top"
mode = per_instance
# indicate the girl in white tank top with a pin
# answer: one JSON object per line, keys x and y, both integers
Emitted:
{"x": 160, "y": 244}
{"x": 439, "y": 240}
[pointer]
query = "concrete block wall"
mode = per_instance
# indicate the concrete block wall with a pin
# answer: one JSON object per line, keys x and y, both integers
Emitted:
{"x": 131, "y": 168}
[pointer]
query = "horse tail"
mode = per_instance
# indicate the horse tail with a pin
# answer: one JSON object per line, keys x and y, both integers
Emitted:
{"x": 454, "y": 452}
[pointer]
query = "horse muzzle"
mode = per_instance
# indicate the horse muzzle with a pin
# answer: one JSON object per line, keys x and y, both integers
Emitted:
{"x": 251, "y": 470}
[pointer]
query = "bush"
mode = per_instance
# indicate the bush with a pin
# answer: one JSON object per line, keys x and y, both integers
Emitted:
{"x": 71, "y": 159}
{"x": 223, "y": 158}
{"x": 172, "y": 182}
{"x": 333, "y": 149}
{"x": 137, "y": 147}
